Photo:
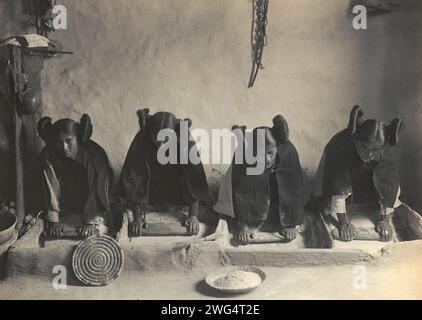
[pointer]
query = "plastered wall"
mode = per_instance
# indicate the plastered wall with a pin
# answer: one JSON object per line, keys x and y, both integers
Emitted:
{"x": 192, "y": 57}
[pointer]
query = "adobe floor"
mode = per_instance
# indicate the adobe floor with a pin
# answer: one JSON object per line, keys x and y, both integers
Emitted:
{"x": 395, "y": 275}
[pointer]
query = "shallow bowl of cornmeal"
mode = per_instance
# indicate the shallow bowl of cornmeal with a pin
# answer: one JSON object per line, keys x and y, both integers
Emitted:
{"x": 236, "y": 279}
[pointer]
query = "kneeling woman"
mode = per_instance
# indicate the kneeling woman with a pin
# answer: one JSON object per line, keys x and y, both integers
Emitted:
{"x": 359, "y": 167}
{"x": 250, "y": 199}
{"x": 147, "y": 185}
{"x": 77, "y": 177}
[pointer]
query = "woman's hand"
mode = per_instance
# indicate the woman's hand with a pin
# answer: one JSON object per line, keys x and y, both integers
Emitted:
{"x": 346, "y": 230}
{"x": 385, "y": 230}
{"x": 289, "y": 233}
{"x": 88, "y": 230}
{"x": 55, "y": 230}
{"x": 244, "y": 232}
{"x": 135, "y": 227}
{"x": 192, "y": 224}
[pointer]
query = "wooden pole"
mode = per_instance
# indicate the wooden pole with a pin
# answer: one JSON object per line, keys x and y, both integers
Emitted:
{"x": 20, "y": 201}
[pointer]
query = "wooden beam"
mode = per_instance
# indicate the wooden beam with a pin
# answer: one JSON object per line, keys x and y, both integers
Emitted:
{"x": 19, "y": 165}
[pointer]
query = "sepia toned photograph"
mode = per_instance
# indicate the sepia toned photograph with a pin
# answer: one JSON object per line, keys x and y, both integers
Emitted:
{"x": 221, "y": 151}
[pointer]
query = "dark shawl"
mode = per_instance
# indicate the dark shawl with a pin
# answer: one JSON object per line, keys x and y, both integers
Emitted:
{"x": 342, "y": 165}
{"x": 144, "y": 180}
{"x": 252, "y": 193}
{"x": 93, "y": 169}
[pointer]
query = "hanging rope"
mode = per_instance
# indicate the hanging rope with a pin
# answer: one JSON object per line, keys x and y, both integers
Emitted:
{"x": 258, "y": 36}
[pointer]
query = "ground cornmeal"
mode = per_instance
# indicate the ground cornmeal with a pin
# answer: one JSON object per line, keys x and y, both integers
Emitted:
{"x": 238, "y": 280}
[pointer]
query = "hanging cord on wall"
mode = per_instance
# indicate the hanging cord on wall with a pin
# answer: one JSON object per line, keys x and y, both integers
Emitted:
{"x": 258, "y": 36}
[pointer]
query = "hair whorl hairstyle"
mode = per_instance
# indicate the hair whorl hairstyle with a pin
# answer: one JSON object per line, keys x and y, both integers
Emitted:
{"x": 280, "y": 129}
{"x": 85, "y": 128}
{"x": 393, "y": 130}
{"x": 48, "y": 131}
{"x": 373, "y": 130}
{"x": 355, "y": 120}
{"x": 143, "y": 115}
{"x": 238, "y": 127}
{"x": 45, "y": 128}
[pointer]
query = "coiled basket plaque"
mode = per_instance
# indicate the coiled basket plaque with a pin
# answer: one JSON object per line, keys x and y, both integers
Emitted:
{"x": 97, "y": 260}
